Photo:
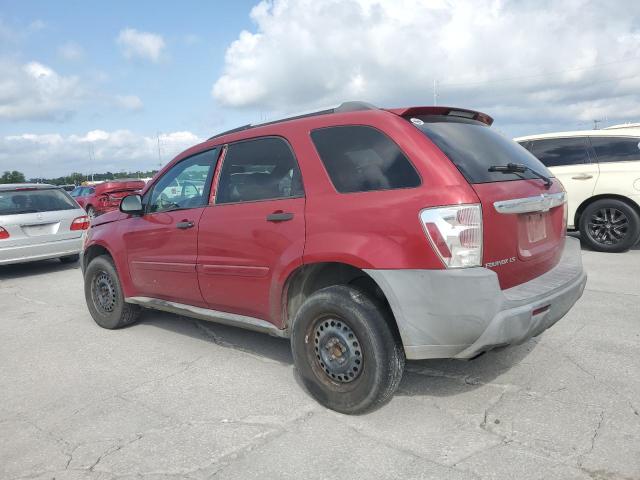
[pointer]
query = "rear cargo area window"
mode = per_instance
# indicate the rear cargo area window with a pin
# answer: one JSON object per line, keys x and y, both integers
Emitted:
{"x": 612, "y": 149}
{"x": 16, "y": 202}
{"x": 473, "y": 147}
{"x": 361, "y": 159}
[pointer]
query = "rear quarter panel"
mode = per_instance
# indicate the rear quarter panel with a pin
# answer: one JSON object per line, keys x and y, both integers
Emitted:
{"x": 377, "y": 229}
{"x": 619, "y": 178}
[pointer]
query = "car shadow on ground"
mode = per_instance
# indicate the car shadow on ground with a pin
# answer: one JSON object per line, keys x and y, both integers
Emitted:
{"x": 587, "y": 248}
{"x": 421, "y": 378}
{"x": 41, "y": 267}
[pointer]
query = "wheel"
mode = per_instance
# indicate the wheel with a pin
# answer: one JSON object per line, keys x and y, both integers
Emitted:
{"x": 345, "y": 351}
{"x": 104, "y": 297}
{"x": 91, "y": 212}
{"x": 610, "y": 225}
{"x": 70, "y": 259}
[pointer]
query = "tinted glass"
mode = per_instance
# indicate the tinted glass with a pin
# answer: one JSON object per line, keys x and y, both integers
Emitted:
{"x": 473, "y": 147}
{"x": 259, "y": 169}
{"x": 34, "y": 201}
{"x": 361, "y": 159}
{"x": 615, "y": 149}
{"x": 185, "y": 185}
{"x": 76, "y": 192}
{"x": 556, "y": 152}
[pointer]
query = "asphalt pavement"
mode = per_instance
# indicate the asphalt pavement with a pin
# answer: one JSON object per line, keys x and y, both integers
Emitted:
{"x": 173, "y": 397}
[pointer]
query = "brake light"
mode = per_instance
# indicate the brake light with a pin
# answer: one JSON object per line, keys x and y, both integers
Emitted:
{"x": 3, "y": 234}
{"x": 456, "y": 233}
{"x": 80, "y": 223}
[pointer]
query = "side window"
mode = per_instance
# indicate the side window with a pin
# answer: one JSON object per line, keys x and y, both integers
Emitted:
{"x": 556, "y": 152}
{"x": 185, "y": 185}
{"x": 360, "y": 159}
{"x": 525, "y": 144}
{"x": 616, "y": 149}
{"x": 260, "y": 169}
{"x": 89, "y": 191}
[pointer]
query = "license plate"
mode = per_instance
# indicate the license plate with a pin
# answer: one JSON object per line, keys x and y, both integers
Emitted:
{"x": 536, "y": 227}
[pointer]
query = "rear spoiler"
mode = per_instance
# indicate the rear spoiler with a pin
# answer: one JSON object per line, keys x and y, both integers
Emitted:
{"x": 451, "y": 111}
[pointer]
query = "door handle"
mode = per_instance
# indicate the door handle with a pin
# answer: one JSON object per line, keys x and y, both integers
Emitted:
{"x": 185, "y": 224}
{"x": 279, "y": 217}
{"x": 582, "y": 176}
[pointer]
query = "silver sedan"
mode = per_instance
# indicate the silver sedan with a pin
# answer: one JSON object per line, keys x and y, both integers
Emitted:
{"x": 39, "y": 221}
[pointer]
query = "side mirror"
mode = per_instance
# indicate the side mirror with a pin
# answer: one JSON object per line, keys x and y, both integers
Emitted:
{"x": 132, "y": 205}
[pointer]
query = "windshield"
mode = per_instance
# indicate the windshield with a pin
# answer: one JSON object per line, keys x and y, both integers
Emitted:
{"x": 15, "y": 202}
{"x": 474, "y": 147}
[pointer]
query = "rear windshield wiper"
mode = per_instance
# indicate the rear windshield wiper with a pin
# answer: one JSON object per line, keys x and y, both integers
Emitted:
{"x": 520, "y": 168}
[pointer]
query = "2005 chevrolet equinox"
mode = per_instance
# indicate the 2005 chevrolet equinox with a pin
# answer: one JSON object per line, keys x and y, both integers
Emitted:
{"x": 366, "y": 235}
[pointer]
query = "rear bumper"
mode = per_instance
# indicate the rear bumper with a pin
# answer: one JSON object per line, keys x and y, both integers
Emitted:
{"x": 40, "y": 251}
{"x": 462, "y": 313}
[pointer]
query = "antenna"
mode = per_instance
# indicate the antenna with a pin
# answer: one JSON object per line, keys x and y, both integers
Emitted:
{"x": 435, "y": 91}
{"x": 159, "y": 155}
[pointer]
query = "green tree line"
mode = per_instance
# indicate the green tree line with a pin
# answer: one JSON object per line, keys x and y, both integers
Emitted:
{"x": 75, "y": 178}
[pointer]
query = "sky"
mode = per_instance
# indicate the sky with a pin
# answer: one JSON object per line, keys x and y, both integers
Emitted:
{"x": 88, "y": 86}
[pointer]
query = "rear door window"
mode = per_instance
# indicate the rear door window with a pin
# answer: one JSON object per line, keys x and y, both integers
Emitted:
{"x": 556, "y": 152}
{"x": 360, "y": 159}
{"x": 16, "y": 202}
{"x": 616, "y": 149}
{"x": 259, "y": 169}
{"x": 474, "y": 147}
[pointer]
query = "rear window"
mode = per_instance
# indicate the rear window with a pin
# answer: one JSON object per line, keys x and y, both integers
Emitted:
{"x": 616, "y": 149}
{"x": 556, "y": 152}
{"x": 361, "y": 159}
{"x": 473, "y": 147}
{"x": 15, "y": 202}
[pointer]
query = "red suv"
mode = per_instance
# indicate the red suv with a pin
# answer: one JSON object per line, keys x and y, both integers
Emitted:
{"x": 365, "y": 235}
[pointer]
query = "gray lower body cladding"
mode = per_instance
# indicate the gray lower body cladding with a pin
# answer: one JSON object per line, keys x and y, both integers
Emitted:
{"x": 462, "y": 313}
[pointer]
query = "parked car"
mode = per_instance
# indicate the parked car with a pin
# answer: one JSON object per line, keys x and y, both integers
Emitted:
{"x": 39, "y": 221}
{"x": 365, "y": 235}
{"x": 600, "y": 169}
{"x": 106, "y": 196}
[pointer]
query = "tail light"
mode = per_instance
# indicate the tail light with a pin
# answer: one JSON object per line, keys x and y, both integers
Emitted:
{"x": 80, "y": 223}
{"x": 3, "y": 234}
{"x": 456, "y": 233}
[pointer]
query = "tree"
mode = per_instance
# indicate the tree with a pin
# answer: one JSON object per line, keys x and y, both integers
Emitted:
{"x": 12, "y": 177}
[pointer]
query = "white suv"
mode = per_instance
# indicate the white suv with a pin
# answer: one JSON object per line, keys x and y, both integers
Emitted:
{"x": 600, "y": 170}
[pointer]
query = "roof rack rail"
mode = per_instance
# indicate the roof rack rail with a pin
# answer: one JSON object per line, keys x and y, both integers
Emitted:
{"x": 342, "y": 108}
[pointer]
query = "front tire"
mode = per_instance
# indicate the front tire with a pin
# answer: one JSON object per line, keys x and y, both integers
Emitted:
{"x": 103, "y": 293}
{"x": 610, "y": 225}
{"x": 345, "y": 351}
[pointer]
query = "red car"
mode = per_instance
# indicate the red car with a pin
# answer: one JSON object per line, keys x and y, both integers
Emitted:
{"x": 364, "y": 235}
{"x": 106, "y": 196}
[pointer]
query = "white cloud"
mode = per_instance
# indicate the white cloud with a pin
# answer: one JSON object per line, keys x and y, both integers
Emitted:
{"x": 145, "y": 45}
{"x": 35, "y": 91}
{"x": 538, "y": 62}
{"x": 129, "y": 102}
{"x": 52, "y": 155}
{"x": 71, "y": 51}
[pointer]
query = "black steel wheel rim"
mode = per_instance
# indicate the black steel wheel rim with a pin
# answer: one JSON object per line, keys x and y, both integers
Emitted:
{"x": 104, "y": 292}
{"x": 608, "y": 226}
{"x": 337, "y": 350}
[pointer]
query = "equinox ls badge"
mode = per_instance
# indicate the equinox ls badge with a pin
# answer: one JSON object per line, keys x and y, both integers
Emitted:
{"x": 499, "y": 263}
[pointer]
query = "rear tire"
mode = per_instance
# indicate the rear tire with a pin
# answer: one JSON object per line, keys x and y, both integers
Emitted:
{"x": 610, "y": 225}
{"x": 345, "y": 351}
{"x": 103, "y": 293}
{"x": 70, "y": 259}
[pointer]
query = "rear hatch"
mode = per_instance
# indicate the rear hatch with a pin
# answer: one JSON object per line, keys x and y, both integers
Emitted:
{"x": 523, "y": 217}
{"x": 32, "y": 216}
